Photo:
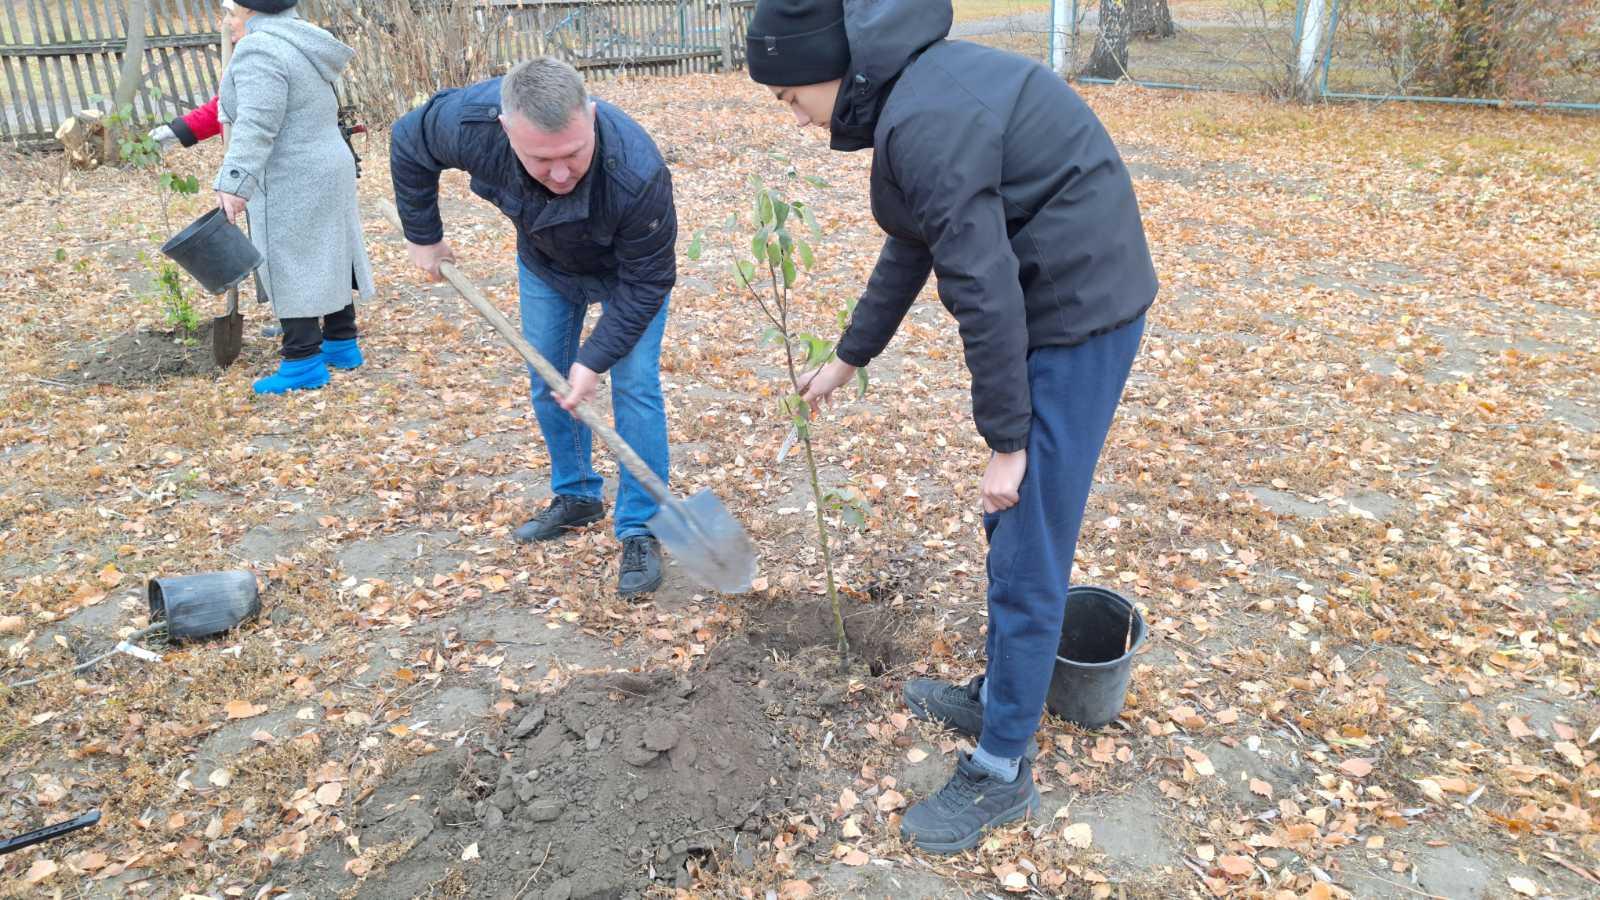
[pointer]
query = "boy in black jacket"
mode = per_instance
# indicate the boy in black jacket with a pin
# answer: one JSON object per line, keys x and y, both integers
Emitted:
{"x": 991, "y": 173}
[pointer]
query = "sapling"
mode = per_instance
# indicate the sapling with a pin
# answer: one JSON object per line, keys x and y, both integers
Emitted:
{"x": 769, "y": 276}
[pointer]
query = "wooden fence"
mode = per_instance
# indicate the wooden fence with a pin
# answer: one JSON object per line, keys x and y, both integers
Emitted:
{"x": 61, "y": 56}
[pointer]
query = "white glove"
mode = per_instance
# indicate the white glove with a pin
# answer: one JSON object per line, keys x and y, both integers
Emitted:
{"x": 163, "y": 136}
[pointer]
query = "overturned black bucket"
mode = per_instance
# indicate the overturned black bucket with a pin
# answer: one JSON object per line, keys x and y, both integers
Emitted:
{"x": 199, "y": 606}
{"x": 1101, "y": 633}
{"x": 214, "y": 251}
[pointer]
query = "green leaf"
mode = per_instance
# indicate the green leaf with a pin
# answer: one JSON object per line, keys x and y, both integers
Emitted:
{"x": 811, "y": 222}
{"x": 817, "y": 350}
{"x": 764, "y": 213}
{"x": 744, "y": 273}
{"x": 757, "y": 183}
{"x": 789, "y": 273}
{"x": 771, "y": 335}
{"x": 774, "y": 255}
{"x": 780, "y": 211}
{"x": 697, "y": 245}
{"x": 807, "y": 259}
{"x": 731, "y": 222}
{"x": 758, "y": 244}
{"x": 861, "y": 383}
{"x": 844, "y": 314}
{"x": 814, "y": 181}
{"x": 795, "y": 407}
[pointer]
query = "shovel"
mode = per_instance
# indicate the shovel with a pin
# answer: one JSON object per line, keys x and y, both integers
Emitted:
{"x": 227, "y": 332}
{"x": 699, "y": 532}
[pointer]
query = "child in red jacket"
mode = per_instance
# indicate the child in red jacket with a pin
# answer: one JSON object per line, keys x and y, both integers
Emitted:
{"x": 197, "y": 125}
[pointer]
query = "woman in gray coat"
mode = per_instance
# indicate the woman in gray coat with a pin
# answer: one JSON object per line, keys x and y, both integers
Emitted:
{"x": 290, "y": 172}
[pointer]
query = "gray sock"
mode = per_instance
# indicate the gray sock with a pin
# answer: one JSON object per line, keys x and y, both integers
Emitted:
{"x": 996, "y": 766}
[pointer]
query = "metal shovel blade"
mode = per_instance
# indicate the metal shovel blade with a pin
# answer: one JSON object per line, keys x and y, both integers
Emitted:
{"x": 707, "y": 541}
{"x": 227, "y": 332}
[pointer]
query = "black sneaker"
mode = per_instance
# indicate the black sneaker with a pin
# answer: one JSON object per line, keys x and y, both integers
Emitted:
{"x": 955, "y": 818}
{"x": 562, "y": 515}
{"x": 641, "y": 566}
{"x": 958, "y": 707}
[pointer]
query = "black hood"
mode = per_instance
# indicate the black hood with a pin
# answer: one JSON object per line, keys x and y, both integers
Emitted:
{"x": 885, "y": 36}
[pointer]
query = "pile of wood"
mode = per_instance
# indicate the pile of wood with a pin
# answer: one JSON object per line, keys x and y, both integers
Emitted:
{"x": 87, "y": 139}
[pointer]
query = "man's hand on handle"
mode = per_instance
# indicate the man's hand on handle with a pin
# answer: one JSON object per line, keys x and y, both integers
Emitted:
{"x": 1002, "y": 480}
{"x": 583, "y": 382}
{"x": 429, "y": 257}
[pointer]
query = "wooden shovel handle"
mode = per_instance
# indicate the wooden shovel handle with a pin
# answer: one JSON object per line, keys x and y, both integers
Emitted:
{"x": 556, "y": 381}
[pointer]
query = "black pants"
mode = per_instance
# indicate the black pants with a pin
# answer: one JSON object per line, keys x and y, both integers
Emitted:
{"x": 304, "y": 337}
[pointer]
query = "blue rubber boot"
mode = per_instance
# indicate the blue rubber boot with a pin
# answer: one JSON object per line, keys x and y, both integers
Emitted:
{"x": 342, "y": 354}
{"x": 295, "y": 375}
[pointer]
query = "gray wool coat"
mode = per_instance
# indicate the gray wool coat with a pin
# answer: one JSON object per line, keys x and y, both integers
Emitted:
{"x": 287, "y": 159}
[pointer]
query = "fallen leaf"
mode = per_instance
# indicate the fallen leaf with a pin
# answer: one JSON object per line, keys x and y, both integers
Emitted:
{"x": 1079, "y": 835}
{"x": 220, "y": 777}
{"x": 1319, "y": 891}
{"x": 262, "y": 736}
{"x": 470, "y": 853}
{"x": 1202, "y": 762}
{"x": 1014, "y": 881}
{"x": 1570, "y": 752}
{"x": 1257, "y": 786}
{"x": 1431, "y": 790}
{"x": 1518, "y": 728}
{"x": 329, "y": 794}
{"x": 12, "y": 624}
{"x": 850, "y": 829}
{"x": 243, "y": 709}
{"x": 359, "y": 867}
{"x": 916, "y": 755}
{"x": 1356, "y": 767}
{"x": 1206, "y": 852}
{"x": 1523, "y": 886}
{"x": 1237, "y": 866}
{"x": 889, "y": 801}
{"x": 40, "y": 870}
{"x": 848, "y": 799}
{"x": 92, "y": 861}
{"x": 855, "y": 858}
{"x": 795, "y": 889}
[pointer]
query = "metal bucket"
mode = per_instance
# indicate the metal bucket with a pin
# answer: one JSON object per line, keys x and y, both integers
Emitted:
{"x": 199, "y": 606}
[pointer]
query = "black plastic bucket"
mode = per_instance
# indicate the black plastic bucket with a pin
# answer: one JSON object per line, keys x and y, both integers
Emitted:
{"x": 198, "y": 606}
{"x": 214, "y": 251}
{"x": 1101, "y": 633}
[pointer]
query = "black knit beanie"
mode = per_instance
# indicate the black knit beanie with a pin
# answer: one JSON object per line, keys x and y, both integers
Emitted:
{"x": 269, "y": 7}
{"x": 796, "y": 42}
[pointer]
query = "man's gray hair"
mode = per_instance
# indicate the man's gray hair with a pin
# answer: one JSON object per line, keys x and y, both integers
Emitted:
{"x": 545, "y": 91}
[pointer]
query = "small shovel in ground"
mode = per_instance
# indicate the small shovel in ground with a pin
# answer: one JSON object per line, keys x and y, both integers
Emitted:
{"x": 699, "y": 532}
{"x": 227, "y": 332}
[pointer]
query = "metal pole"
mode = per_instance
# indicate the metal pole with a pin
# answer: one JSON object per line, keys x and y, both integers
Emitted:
{"x": 1060, "y": 19}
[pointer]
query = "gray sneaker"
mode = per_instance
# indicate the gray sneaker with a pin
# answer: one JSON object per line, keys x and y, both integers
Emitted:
{"x": 958, "y": 707}
{"x": 955, "y": 818}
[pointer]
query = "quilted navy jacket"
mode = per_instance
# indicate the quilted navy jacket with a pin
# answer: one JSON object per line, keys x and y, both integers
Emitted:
{"x": 613, "y": 238}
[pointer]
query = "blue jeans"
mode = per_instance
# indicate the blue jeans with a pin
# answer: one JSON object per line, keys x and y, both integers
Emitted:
{"x": 1075, "y": 393}
{"x": 554, "y": 326}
